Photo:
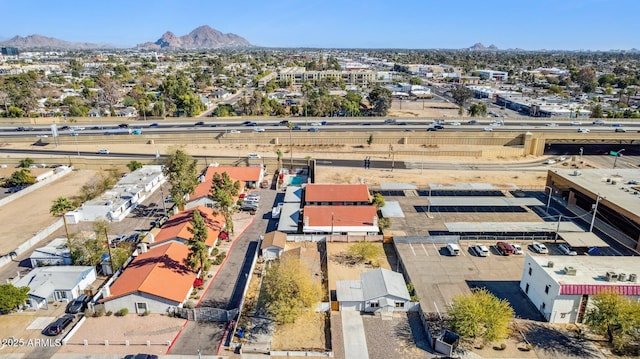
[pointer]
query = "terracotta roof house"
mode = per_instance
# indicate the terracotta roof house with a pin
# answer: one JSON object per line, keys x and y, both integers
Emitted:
{"x": 336, "y": 195}
{"x": 248, "y": 177}
{"x": 351, "y": 220}
{"x": 177, "y": 227}
{"x": 155, "y": 280}
{"x": 273, "y": 245}
{"x": 379, "y": 290}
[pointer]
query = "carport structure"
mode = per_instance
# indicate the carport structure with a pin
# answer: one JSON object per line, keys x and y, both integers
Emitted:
{"x": 583, "y": 240}
{"x": 512, "y": 230}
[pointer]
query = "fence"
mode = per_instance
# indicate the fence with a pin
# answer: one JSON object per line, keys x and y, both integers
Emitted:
{"x": 205, "y": 314}
{"x": 58, "y": 173}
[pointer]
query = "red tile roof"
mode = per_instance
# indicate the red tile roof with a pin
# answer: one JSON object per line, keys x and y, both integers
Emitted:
{"x": 590, "y": 289}
{"x": 161, "y": 272}
{"x": 178, "y": 226}
{"x": 242, "y": 174}
{"x": 336, "y": 193}
{"x": 343, "y": 216}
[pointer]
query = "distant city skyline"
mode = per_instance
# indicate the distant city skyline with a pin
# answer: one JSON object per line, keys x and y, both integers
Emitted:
{"x": 412, "y": 24}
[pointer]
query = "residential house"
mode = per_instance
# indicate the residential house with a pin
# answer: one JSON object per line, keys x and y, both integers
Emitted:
{"x": 127, "y": 112}
{"x": 336, "y": 195}
{"x": 178, "y": 227}
{"x": 379, "y": 290}
{"x": 248, "y": 176}
{"x": 56, "y": 283}
{"x": 154, "y": 281}
{"x": 350, "y": 220}
{"x": 55, "y": 253}
{"x": 273, "y": 245}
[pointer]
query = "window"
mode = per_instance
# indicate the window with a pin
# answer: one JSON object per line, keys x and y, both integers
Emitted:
{"x": 399, "y": 304}
{"x": 530, "y": 270}
{"x": 526, "y": 288}
{"x": 141, "y": 307}
{"x": 544, "y": 305}
{"x": 546, "y": 289}
{"x": 374, "y": 304}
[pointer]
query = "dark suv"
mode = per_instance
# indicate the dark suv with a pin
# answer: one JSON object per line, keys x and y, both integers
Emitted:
{"x": 59, "y": 325}
{"x": 78, "y": 305}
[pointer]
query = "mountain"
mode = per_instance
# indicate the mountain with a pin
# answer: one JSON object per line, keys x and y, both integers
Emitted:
{"x": 203, "y": 37}
{"x": 43, "y": 42}
{"x": 480, "y": 47}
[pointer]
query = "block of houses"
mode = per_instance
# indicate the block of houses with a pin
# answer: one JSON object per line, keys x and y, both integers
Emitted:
{"x": 56, "y": 283}
{"x": 379, "y": 290}
{"x": 56, "y": 253}
{"x": 273, "y": 245}
{"x": 177, "y": 228}
{"x": 336, "y": 195}
{"x": 563, "y": 288}
{"x": 249, "y": 177}
{"x": 155, "y": 280}
{"x": 350, "y": 220}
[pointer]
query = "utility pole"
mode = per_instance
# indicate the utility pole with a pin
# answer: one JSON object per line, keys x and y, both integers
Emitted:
{"x": 595, "y": 210}
{"x": 109, "y": 248}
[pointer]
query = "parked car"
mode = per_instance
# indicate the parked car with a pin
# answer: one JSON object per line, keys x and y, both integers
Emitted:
{"x": 516, "y": 248}
{"x": 249, "y": 207}
{"x": 481, "y": 250}
{"x": 141, "y": 356}
{"x": 566, "y": 250}
{"x": 78, "y": 305}
{"x": 539, "y": 248}
{"x": 505, "y": 248}
{"x": 59, "y": 325}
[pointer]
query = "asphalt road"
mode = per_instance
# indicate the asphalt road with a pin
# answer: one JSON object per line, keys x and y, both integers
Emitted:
{"x": 226, "y": 290}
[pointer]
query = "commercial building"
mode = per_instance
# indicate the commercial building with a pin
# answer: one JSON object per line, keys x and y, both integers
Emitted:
{"x": 298, "y": 76}
{"x": 494, "y": 75}
{"x": 562, "y": 287}
{"x": 614, "y": 194}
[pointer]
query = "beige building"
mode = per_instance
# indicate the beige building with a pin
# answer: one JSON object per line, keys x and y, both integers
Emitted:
{"x": 298, "y": 76}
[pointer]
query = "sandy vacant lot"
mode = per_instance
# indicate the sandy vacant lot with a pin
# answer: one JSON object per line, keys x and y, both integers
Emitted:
{"x": 27, "y": 215}
{"x": 339, "y": 271}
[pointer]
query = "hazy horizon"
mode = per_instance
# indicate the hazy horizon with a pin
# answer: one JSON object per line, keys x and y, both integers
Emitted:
{"x": 569, "y": 25}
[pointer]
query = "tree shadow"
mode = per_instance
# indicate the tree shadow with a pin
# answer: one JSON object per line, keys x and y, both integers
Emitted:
{"x": 544, "y": 337}
{"x": 411, "y": 332}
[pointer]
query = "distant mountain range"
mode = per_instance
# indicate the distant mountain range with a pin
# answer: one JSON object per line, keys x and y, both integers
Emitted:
{"x": 478, "y": 46}
{"x": 203, "y": 37}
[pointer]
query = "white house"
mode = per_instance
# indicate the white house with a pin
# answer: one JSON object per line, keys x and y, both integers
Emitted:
{"x": 56, "y": 283}
{"x": 379, "y": 290}
{"x": 55, "y": 253}
{"x": 273, "y": 245}
{"x": 561, "y": 287}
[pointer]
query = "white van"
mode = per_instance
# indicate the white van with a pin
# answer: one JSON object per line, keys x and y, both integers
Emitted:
{"x": 453, "y": 249}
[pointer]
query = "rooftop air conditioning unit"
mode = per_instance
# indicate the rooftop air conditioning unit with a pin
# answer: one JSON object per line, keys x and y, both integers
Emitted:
{"x": 622, "y": 277}
{"x": 577, "y": 173}
{"x": 614, "y": 182}
{"x": 569, "y": 270}
{"x": 550, "y": 264}
{"x": 612, "y": 276}
{"x": 608, "y": 180}
{"x": 633, "y": 277}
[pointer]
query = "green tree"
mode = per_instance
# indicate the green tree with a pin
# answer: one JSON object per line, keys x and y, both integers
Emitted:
{"x": 370, "y": 140}
{"x": 415, "y": 81}
{"x": 361, "y": 252}
{"x": 223, "y": 191}
{"x": 596, "y": 111}
{"x": 11, "y": 297}
{"x": 478, "y": 109}
{"x": 378, "y": 200}
{"x": 480, "y": 315}
{"x": 384, "y": 223}
{"x": 198, "y": 257}
{"x": 380, "y": 99}
{"x": 289, "y": 290}
{"x": 279, "y": 154}
{"x": 22, "y": 177}
{"x": 134, "y": 165}
{"x": 59, "y": 207}
{"x": 615, "y": 316}
{"x": 461, "y": 94}
{"x": 181, "y": 171}
{"x": 26, "y": 162}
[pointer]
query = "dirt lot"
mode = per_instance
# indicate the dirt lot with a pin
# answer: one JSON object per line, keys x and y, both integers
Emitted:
{"x": 419, "y": 108}
{"x": 307, "y": 333}
{"x": 29, "y": 214}
{"x": 339, "y": 271}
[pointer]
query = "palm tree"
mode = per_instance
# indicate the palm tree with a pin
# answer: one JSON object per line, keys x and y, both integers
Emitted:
{"x": 290, "y": 126}
{"x": 60, "y": 206}
{"x": 279, "y": 154}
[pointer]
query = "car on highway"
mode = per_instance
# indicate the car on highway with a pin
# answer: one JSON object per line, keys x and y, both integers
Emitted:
{"x": 63, "y": 128}
{"x": 258, "y": 129}
{"x": 539, "y": 248}
{"x": 472, "y": 122}
{"x": 566, "y": 250}
{"x": 78, "y": 305}
{"x": 297, "y": 128}
{"x": 620, "y": 129}
{"x": 402, "y": 123}
{"x": 487, "y": 129}
{"x": 318, "y": 123}
{"x": 234, "y": 131}
{"x": 438, "y": 126}
{"x": 123, "y": 125}
{"x": 455, "y": 123}
{"x": 496, "y": 123}
{"x": 599, "y": 122}
{"x": 551, "y": 124}
{"x": 249, "y": 123}
{"x": 313, "y": 129}
{"x": 583, "y": 130}
{"x": 576, "y": 123}
{"x": 59, "y": 325}
{"x": 42, "y": 136}
{"x": 103, "y": 152}
{"x": 481, "y": 250}
{"x": 253, "y": 155}
{"x": 389, "y": 121}
{"x": 549, "y": 161}
{"x": 199, "y": 123}
{"x": 20, "y": 129}
{"x": 432, "y": 129}
{"x": 154, "y": 125}
{"x": 73, "y": 133}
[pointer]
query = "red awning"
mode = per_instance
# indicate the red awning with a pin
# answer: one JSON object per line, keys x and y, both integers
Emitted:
{"x": 590, "y": 289}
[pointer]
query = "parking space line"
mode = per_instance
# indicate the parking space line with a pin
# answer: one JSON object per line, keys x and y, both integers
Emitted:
{"x": 436, "y": 248}
{"x": 424, "y": 249}
{"x": 410, "y": 246}
{"x": 462, "y": 251}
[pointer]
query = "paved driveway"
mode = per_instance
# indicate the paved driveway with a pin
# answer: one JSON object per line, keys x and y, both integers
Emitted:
{"x": 225, "y": 291}
{"x": 355, "y": 341}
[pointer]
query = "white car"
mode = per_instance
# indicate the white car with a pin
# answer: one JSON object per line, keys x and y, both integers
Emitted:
{"x": 495, "y": 124}
{"x": 566, "y": 250}
{"x": 576, "y": 123}
{"x": 487, "y": 129}
{"x": 454, "y": 123}
{"x": 562, "y": 158}
{"x": 103, "y": 152}
{"x": 583, "y": 130}
{"x": 516, "y": 248}
{"x": 258, "y": 129}
{"x": 549, "y": 162}
{"x": 234, "y": 131}
{"x": 551, "y": 124}
{"x": 481, "y": 250}
{"x": 253, "y": 155}
{"x": 539, "y": 248}
{"x": 316, "y": 123}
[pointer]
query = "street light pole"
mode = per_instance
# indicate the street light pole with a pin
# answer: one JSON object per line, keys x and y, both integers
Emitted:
{"x": 557, "y": 228}
{"x": 616, "y": 157}
{"x": 581, "y": 150}
{"x": 595, "y": 210}
{"x": 549, "y": 200}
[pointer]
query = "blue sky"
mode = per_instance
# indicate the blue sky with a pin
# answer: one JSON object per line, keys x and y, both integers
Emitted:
{"x": 527, "y": 24}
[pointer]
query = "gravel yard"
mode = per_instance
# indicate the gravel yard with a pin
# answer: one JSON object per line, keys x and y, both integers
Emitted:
{"x": 401, "y": 337}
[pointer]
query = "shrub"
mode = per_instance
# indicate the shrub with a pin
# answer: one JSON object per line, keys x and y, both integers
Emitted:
{"x": 122, "y": 312}
{"x": 219, "y": 259}
{"x": 146, "y": 312}
{"x": 109, "y": 313}
{"x": 190, "y": 304}
{"x": 99, "y": 313}
{"x": 89, "y": 313}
